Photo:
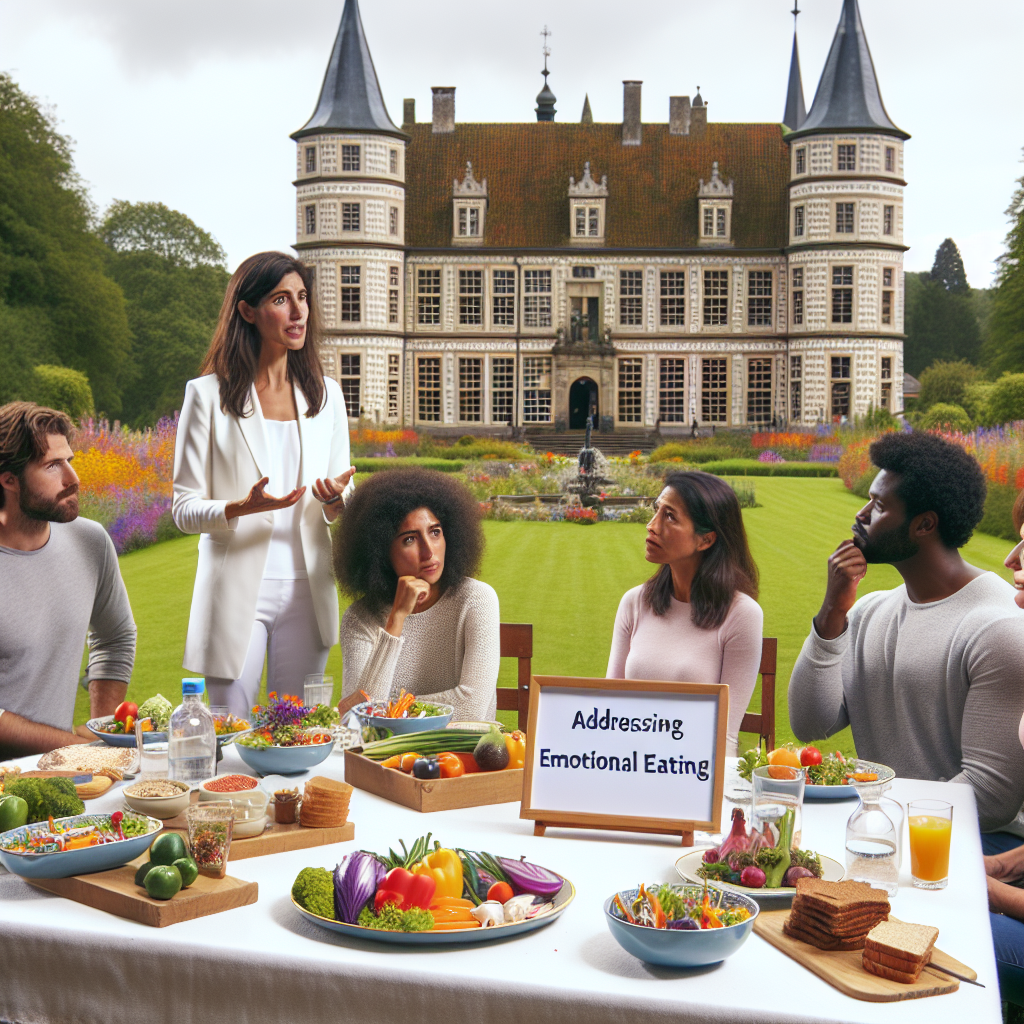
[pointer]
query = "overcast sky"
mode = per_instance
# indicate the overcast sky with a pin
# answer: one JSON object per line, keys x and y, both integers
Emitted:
{"x": 191, "y": 103}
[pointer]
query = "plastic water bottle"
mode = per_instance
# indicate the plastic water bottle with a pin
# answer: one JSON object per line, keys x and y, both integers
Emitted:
{"x": 192, "y": 739}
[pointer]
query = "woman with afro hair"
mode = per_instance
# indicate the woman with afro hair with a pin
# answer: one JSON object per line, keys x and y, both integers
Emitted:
{"x": 408, "y": 545}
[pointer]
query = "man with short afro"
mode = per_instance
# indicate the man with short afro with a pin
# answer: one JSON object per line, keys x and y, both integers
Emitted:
{"x": 928, "y": 675}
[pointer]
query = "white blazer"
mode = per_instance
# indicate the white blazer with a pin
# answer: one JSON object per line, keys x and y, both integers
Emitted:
{"x": 217, "y": 459}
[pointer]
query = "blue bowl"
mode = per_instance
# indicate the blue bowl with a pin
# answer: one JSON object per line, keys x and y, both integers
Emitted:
{"x": 120, "y": 739}
{"x": 669, "y": 947}
{"x": 400, "y": 726}
{"x": 75, "y": 862}
{"x": 283, "y": 760}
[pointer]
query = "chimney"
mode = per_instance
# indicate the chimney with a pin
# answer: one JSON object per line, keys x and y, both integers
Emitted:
{"x": 631, "y": 113}
{"x": 408, "y": 111}
{"x": 679, "y": 115}
{"x": 444, "y": 108}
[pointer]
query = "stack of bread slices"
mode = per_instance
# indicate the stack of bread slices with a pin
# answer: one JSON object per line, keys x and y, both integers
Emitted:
{"x": 899, "y": 951}
{"x": 835, "y": 915}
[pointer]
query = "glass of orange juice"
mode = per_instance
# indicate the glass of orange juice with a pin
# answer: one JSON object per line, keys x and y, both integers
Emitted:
{"x": 931, "y": 825}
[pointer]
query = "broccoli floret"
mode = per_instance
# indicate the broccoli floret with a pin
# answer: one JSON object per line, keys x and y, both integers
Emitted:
{"x": 46, "y": 800}
{"x": 62, "y": 785}
{"x": 63, "y": 806}
{"x": 807, "y": 859}
{"x": 313, "y": 890}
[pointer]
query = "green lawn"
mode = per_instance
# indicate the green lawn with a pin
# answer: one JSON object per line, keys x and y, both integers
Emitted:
{"x": 567, "y": 581}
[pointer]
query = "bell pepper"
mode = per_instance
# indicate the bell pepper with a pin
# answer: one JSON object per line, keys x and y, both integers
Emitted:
{"x": 451, "y": 766}
{"x": 445, "y": 868}
{"x": 405, "y": 889}
{"x": 129, "y": 724}
{"x": 408, "y": 760}
{"x": 515, "y": 742}
{"x": 469, "y": 764}
{"x": 393, "y": 762}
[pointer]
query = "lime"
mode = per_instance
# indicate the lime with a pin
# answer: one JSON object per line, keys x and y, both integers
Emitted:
{"x": 13, "y": 812}
{"x": 162, "y": 881}
{"x": 167, "y": 848}
{"x": 188, "y": 869}
{"x": 140, "y": 875}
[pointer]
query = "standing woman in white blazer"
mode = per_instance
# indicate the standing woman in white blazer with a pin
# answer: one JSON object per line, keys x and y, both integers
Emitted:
{"x": 262, "y": 421}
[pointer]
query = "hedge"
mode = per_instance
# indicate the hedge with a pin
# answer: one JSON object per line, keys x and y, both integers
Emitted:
{"x": 371, "y": 465}
{"x": 751, "y": 467}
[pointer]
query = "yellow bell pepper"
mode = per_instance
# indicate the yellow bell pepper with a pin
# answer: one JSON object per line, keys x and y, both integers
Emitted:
{"x": 445, "y": 868}
{"x": 515, "y": 742}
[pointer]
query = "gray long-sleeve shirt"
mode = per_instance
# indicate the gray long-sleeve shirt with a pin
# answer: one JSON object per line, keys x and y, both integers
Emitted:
{"x": 934, "y": 691}
{"x": 51, "y": 601}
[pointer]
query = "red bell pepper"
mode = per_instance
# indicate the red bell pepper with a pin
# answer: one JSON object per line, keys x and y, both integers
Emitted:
{"x": 405, "y": 890}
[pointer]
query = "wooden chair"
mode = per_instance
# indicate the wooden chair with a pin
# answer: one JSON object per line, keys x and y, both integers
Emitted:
{"x": 764, "y": 723}
{"x": 517, "y": 642}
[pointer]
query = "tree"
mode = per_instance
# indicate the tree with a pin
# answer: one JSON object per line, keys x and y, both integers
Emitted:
{"x": 1004, "y": 349}
{"x": 59, "y": 387}
{"x": 153, "y": 227}
{"x": 940, "y": 324}
{"x": 948, "y": 268}
{"x": 1006, "y": 399}
{"x": 944, "y": 416}
{"x": 56, "y": 303}
{"x": 946, "y": 382}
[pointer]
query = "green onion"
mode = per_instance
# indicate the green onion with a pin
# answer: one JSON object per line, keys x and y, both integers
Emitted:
{"x": 431, "y": 741}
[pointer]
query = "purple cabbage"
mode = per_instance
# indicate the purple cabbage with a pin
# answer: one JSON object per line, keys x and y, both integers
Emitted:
{"x": 356, "y": 880}
{"x": 531, "y": 878}
{"x": 685, "y": 924}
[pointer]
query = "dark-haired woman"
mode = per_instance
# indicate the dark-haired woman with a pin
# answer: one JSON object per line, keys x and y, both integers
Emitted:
{"x": 696, "y": 619}
{"x": 408, "y": 545}
{"x": 261, "y": 464}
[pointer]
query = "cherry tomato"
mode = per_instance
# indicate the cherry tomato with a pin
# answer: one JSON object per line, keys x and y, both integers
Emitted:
{"x": 125, "y": 709}
{"x": 451, "y": 766}
{"x": 500, "y": 891}
{"x": 810, "y": 756}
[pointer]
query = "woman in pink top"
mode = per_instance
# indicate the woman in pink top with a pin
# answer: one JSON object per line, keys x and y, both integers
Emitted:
{"x": 696, "y": 620}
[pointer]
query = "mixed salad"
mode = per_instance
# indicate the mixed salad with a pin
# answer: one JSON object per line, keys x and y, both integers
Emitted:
{"x": 686, "y": 908}
{"x": 820, "y": 770}
{"x": 286, "y": 722}
{"x": 154, "y": 715}
{"x": 79, "y": 832}
{"x": 405, "y": 706}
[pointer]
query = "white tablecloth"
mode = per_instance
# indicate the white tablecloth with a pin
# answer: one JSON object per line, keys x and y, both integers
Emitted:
{"x": 67, "y": 963}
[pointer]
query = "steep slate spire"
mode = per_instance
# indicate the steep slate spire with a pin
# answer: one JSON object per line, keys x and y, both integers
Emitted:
{"x": 350, "y": 98}
{"x": 848, "y": 96}
{"x": 796, "y": 112}
{"x": 586, "y": 117}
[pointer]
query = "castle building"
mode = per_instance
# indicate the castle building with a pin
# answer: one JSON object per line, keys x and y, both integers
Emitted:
{"x": 481, "y": 277}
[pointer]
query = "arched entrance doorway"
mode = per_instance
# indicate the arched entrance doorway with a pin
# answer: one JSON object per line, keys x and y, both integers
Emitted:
{"x": 583, "y": 402}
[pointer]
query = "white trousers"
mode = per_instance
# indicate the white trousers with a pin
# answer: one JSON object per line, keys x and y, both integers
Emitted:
{"x": 286, "y": 634}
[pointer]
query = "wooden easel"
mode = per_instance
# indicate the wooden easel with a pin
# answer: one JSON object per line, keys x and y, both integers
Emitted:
{"x": 540, "y": 827}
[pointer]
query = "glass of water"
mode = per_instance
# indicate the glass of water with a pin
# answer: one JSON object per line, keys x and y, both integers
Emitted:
{"x": 317, "y": 689}
{"x": 778, "y": 801}
{"x": 872, "y": 843}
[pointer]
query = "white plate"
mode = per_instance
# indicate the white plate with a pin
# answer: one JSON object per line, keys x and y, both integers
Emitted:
{"x": 686, "y": 869}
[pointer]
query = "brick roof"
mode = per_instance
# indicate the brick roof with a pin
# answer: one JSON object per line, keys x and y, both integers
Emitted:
{"x": 652, "y": 188}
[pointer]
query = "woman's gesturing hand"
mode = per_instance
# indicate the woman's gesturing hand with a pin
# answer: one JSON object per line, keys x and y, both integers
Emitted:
{"x": 257, "y": 500}
{"x": 329, "y": 491}
{"x": 411, "y": 591}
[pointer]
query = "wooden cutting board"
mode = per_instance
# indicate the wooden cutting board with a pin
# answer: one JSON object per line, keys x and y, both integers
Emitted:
{"x": 845, "y": 971}
{"x": 116, "y": 893}
{"x": 96, "y": 786}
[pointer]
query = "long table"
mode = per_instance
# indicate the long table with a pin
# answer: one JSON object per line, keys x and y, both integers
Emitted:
{"x": 66, "y": 963}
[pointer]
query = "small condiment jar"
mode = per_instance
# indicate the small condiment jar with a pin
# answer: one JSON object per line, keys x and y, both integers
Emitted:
{"x": 286, "y": 804}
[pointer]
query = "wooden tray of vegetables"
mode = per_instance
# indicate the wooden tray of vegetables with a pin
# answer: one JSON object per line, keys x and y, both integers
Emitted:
{"x": 441, "y": 769}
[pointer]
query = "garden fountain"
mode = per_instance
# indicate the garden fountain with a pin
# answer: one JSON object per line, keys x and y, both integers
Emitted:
{"x": 588, "y": 480}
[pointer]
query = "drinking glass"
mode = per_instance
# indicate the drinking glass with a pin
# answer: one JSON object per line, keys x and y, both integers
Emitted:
{"x": 872, "y": 842}
{"x": 778, "y": 790}
{"x": 931, "y": 826}
{"x": 152, "y": 756}
{"x": 317, "y": 689}
{"x": 210, "y": 827}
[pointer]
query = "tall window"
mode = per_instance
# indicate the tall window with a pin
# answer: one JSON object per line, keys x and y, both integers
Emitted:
{"x": 798, "y": 221}
{"x": 350, "y": 383}
{"x": 673, "y": 298}
{"x": 847, "y": 158}
{"x": 886, "y": 375}
{"x": 630, "y": 390}
{"x": 796, "y": 372}
{"x": 537, "y": 298}
{"x": 844, "y": 218}
{"x": 709, "y": 222}
{"x": 887, "y": 218}
{"x": 349, "y": 216}
{"x": 393, "y": 385}
{"x": 469, "y": 221}
{"x": 631, "y": 297}
{"x": 887, "y": 295}
{"x": 672, "y": 390}
{"x": 503, "y": 298}
{"x": 393, "y": 161}
{"x": 428, "y": 296}
{"x": 714, "y": 394}
{"x": 471, "y": 292}
{"x": 393, "y": 220}
{"x": 311, "y": 219}
{"x": 587, "y": 223}
{"x": 842, "y": 295}
{"x": 537, "y": 388}
{"x": 428, "y": 388}
{"x": 801, "y": 160}
{"x": 759, "y": 298}
{"x": 798, "y": 295}
{"x": 310, "y": 159}
{"x": 350, "y": 158}
{"x": 759, "y": 390}
{"x": 840, "y": 387}
{"x": 716, "y": 298}
{"x": 470, "y": 379}
{"x": 720, "y": 222}
{"x": 393, "y": 295}
{"x": 503, "y": 384}
{"x": 351, "y": 306}
{"x": 890, "y": 158}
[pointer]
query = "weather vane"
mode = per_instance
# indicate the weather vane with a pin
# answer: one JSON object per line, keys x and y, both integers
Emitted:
{"x": 547, "y": 49}
{"x": 796, "y": 10}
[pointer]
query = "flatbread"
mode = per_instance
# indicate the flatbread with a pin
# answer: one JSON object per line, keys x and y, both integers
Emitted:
{"x": 84, "y": 757}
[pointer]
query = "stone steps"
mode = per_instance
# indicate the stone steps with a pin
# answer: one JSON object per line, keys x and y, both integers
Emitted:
{"x": 569, "y": 442}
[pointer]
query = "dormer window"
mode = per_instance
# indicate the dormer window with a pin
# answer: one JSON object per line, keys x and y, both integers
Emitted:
{"x": 469, "y": 207}
{"x": 715, "y": 200}
{"x": 587, "y": 199}
{"x": 350, "y": 158}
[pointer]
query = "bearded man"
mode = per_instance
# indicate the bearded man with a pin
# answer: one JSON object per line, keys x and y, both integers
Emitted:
{"x": 927, "y": 675}
{"x": 60, "y": 585}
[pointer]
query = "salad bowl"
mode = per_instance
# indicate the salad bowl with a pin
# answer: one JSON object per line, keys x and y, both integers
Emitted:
{"x": 63, "y": 864}
{"x": 277, "y": 760}
{"x": 120, "y": 739}
{"x": 884, "y": 773}
{"x": 400, "y": 726}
